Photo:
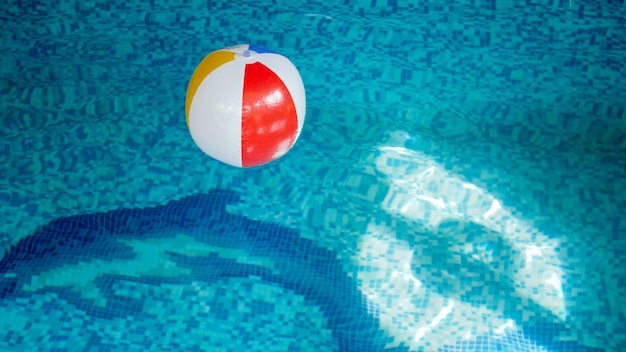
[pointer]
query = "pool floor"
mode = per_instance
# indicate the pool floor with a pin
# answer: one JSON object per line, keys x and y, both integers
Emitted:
{"x": 459, "y": 183}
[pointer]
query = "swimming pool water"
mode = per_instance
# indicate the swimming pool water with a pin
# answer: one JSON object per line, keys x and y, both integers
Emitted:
{"x": 459, "y": 184}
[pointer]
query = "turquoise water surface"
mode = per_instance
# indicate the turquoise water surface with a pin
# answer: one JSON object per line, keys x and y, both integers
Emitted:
{"x": 459, "y": 183}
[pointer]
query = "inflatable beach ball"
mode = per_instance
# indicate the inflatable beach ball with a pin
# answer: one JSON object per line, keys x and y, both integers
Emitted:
{"x": 245, "y": 105}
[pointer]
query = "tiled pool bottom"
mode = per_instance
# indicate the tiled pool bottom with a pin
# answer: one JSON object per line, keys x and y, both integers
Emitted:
{"x": 458, "y": 186}
{"x": 193, "y": 275}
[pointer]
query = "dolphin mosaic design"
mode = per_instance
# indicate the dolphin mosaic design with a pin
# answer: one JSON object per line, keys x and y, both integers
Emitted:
{"x": 191, "y": 239}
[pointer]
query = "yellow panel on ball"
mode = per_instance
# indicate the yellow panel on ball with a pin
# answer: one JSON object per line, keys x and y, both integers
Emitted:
{"x": 206, "y": 66}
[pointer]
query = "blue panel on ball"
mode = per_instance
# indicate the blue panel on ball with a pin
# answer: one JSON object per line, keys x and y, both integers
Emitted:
{"x": 260, "y": 50}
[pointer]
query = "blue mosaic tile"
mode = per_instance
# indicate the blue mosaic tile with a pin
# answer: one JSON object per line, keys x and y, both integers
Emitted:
{"x": 458, "y": 186}
{"x": 86, "y": 240}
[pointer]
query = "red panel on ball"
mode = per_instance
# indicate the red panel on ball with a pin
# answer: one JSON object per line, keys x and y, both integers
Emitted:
{"x": 269, "y": 122}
